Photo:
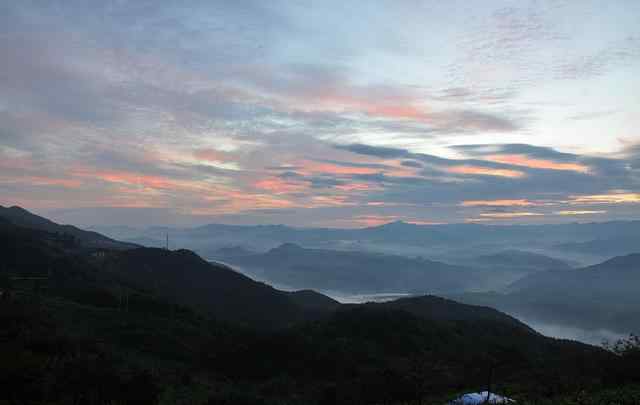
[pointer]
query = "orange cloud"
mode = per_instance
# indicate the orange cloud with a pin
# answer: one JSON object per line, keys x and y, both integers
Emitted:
{"x": 498, "y": 203}
{"x": 525, "y": 161}
{"x": 229, "y": 201}
{"x": 509, "y": 215}
{"x": 582, "y": 212}
{"x": 389, "y": 204}
{"x": 614, "y": 198}
{"x": 331, "y": 201}
{"x": 373, "y": 220}
{"x": 148, "y": 186}
{"x": 485, "y": 171}
{"x": 473, "y": 220}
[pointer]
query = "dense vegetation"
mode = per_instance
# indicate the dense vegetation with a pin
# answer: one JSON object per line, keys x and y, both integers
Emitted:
{"x": 85, "y": 326}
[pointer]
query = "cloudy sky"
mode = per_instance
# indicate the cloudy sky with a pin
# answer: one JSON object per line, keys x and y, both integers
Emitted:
{"x": 339, "y": 114}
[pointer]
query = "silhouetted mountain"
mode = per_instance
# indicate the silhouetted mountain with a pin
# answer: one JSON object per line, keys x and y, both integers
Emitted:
{"x": 603, "y": 296}
{"x": 21, "y": 217}
{"x": 354, "y": 272}
{"x": 178, "y": 276}
{"x": 184, "y": 277}
{"x": 313, "y": 301}
{"x": 441, "y": 309}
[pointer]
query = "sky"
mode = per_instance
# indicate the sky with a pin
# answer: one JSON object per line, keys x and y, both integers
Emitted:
{"x": 324, "y": 114}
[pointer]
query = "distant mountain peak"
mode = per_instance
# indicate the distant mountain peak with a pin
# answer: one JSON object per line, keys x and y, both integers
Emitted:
{"x": 395, "y": 224}
{"x": 288, "y": 247}
{"x": 398, "y": 223}
{"x": 627, "y": 262}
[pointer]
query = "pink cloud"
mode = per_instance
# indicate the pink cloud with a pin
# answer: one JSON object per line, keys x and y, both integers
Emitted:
{"x": 358, "y": 187}
{"x": 277, "y": 185}
{"x": 309, "y": 167}
{"x": 499, "y": 203}
{"x": 525, "y": 161}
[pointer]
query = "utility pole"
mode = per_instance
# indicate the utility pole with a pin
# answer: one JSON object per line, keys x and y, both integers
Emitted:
{"x": 167, "y": 243}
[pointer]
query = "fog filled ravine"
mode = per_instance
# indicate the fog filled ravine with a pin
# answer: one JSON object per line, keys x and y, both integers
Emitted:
{"x": 556, "y": 329}
{"x": 593, "y": 336}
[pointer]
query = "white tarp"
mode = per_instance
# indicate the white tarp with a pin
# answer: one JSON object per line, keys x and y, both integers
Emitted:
{"x": 477, "y": 398}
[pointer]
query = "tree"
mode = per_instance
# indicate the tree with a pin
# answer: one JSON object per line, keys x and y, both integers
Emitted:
{"x": 626, "y": 365}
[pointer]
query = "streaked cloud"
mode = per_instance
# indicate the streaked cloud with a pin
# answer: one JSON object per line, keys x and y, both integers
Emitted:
{"x": 580, "y": 212}
{"x": 614, "y": 198}
{"x": 509, "y": 215}
{"x": 279, "y": 186}
{"x": 523, "y": 160}
{"x": 499, "y": 203}
{"x": 485, "y": 171}
{"x": 281, "y": 112}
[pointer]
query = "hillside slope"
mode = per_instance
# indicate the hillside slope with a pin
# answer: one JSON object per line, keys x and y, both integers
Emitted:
{"x": 21, "y": 217}
{"x": 184, "y": 277}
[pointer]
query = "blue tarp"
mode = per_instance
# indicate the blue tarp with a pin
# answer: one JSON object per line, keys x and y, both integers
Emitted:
{"x": 477, "y": 398}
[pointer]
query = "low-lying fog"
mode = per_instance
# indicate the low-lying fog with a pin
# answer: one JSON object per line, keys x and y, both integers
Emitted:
{"x": 341, "y": 297}
{"x": 594, "y": 337}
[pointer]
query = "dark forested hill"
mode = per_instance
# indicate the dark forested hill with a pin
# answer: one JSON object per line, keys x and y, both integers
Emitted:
{"x": 184, "y": 277}
{"x": 177, "y": 276}
{"x": 313, "y": 301}
{"x": 442, "y": 309}
{"x": 21, "y": 217}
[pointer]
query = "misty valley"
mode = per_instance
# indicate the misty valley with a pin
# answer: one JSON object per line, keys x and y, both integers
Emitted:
{"x": 526, "y": 271}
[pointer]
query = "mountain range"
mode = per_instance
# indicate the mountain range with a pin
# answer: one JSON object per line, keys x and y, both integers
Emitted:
{"x": 89, "y": 322}
{"x": 351, "y": 272}
{"x": 579, "y": 244}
